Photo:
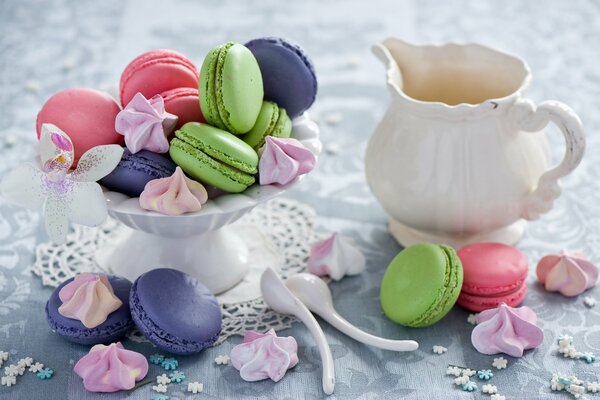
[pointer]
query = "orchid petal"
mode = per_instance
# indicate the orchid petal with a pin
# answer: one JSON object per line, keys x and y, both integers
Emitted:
{"x": 97, "y": 162}
{"x": 57, "y": 223}
{"x": 55, "y": 147}
{"x": 24, "y": 186}
{"x": 87, "y": 205}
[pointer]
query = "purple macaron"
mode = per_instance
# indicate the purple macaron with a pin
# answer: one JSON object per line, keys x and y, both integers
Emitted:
{"x": 135, "y": 170}
{"x": 117, "y": 324}
{"x": 288, "y": 73}
{"x": 175, "y": 311}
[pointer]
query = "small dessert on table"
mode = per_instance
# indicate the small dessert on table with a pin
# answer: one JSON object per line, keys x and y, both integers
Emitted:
{"x": 283, "y": 160}
{"x": 90, "y": 309}
{"x": 421, "y": 284}
{"x": 506, "y": 330}
{"x": 494, "y": 273}
{"x": 566, "y": 273}
{"x": 264, "y": 355}
{"x": 111, "y": 368}
{"x": 336, "y": 256}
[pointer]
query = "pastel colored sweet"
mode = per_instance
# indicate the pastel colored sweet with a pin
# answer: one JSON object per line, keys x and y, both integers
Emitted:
{"x": 184, "y": 103}
{"x": 495, "y": 273}
{"x": 117, "y": 324}
{"x": 156, "y": 72}
{"x": 272, "y": 121}
{"x": 86, "y": 115}
{"x": 215, "y": 157}
{"x": 336, "y": 256}
{"x": 568, "y": 273}
{"x": 506, "y": 330}
{"x": 175, "y": 311}
{"x": 145, "y": 124}
{"x": 89, "y": 298}
{"x": 421, "y": 284}
{"x": 264, "y": 355}
{"x": 134, "y": 171}
{"x": 283, "y": 160}
{"x": 289, "y": 76}
{"x": 107, "y": 369}
{"x": 231, "y": 88}
{"x": 174, "y": 195}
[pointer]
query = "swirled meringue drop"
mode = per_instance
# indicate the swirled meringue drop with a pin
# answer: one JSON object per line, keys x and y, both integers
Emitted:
{"x": 506, "y": 330}
{"x": 569, "y": 274}
{"x": 174, "y": 195}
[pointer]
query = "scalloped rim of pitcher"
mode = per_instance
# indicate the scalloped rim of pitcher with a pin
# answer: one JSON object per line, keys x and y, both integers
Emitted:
{"x": 119, "y": 203}
{"x": 441, "y": 109}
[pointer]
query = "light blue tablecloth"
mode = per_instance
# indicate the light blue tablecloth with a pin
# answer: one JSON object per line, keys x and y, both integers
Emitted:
{"x": 46, "y": 46}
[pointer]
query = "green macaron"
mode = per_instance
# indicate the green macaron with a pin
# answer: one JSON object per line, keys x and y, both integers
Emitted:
{"x": 421, "y": 284}
{"x": 214, "y": 156}
{"x": 231, "y": 88}
{"x": 272, "y": 121}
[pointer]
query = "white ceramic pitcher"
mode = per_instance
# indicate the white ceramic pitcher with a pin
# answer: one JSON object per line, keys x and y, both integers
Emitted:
{"x": 460, "y": 155}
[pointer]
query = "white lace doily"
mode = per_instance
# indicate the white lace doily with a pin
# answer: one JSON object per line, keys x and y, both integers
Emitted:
{"x": 280, "y": 233}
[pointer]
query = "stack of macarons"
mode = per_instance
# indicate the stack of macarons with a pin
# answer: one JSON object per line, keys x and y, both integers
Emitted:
{"x": 173, "y": 310}
{"x": 212, "y": 122}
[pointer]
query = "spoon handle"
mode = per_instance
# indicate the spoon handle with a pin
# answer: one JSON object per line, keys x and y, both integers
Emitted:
{"x": 326, "y": 358}
{"x": 341, "y": 324}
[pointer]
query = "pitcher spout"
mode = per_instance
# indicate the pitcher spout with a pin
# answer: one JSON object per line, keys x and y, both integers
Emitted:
{"x": 383, "y": 51}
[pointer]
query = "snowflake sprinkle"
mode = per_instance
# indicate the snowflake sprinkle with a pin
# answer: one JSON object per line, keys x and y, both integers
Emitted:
{"x": 11, "y": 370}
{"x": 169, "y": 364}
{"x": 156, "y": 359}
{"x": 500, "y": 363}
{"x": 593, "y": 387}
{"x": 461, "y": 380}
{"x": 195, "y": 387}
{"x": 37, "y": 367}
{"x": 3, "y": 355}
{"x": 469, "y": 386}
{"x": 160, "y": 388}
{"x": 177, "y": 377}
{"x": 160, "y": 397}
{"x": 468, "y": 372}
{"x": 589, "y": 301}
{"x": 497, "y": 397}
{"x": 489, "y": 389}
{"x": 222, "y": 359}
{"x": 472, "y": 319}
{"x": 453, "y": 370}
{"x": 45, "y": 373}
{"x": 588, "y": 357}
{"x": 163, "y": 379}
{"x": 485, "y": 374}
{"x": 439, "y": 349}
{"x": 8, "y": 380}
{"x": 25, "y": 362}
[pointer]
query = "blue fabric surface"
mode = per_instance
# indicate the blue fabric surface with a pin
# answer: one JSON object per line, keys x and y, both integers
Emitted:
{"x": 46, "y": 46}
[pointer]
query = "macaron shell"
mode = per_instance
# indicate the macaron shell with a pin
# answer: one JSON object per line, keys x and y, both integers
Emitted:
{"x": 184, "y": 103}
{"x": 134, "y": 171}
{"x": 175, "y": 311}
{"x": 477, "y": 303}
{"x": 155, "y": 72}
{"x": 117, "y": 324}
{"x": 283, "y": 128}
{"x": 265, "y": 124}
{"x": 206, "y": 89}
{"x": 288, "y": 73}
{"x": 421, "y": 285}
{"x": 86, "y": 115}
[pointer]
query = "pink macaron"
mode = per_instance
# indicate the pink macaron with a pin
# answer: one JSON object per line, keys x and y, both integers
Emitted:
{"x": 494, "y": 273}
{"x": 184, "y": 103}
{"x": 86, "y": 115}
{"x": 155, "y": 72}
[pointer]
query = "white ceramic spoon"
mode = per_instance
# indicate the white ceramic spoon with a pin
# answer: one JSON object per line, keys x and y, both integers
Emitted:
{"x": 315, "y": 294}
{"x": 280, "y": 299}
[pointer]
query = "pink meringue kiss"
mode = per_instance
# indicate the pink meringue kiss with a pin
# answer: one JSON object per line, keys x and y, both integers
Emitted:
{"x": 283, "y": 160}
{"x": 89, "y": 298}
{"x": 336, "y": 256}
{"x": 569, "y": 274}
{"x": 111, "y": 368}
{"x": 145, "y": 124}
{"x": 264, "y": 355}
{"x": 506, "y": 330}
{"x": 174, "y": 195}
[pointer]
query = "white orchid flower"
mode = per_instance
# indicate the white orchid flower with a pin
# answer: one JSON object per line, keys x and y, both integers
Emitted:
{"x": 64, "y": 196}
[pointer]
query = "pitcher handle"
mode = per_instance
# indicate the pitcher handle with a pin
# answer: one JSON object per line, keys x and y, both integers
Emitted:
{"x": 533, "y": 119}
